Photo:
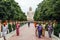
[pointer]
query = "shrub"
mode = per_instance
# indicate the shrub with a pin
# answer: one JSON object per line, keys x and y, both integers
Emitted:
{"x": 13, "y": 26}
{"x": 57, "y": 30}
{"x": 10, "y": 28}
{"x": 21, "y": 24}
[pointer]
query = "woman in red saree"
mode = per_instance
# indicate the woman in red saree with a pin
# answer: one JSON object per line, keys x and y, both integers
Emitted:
{"x": 17, "y": 29}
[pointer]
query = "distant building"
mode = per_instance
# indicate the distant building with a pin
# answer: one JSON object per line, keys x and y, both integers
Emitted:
{"x": 30, "y": 15}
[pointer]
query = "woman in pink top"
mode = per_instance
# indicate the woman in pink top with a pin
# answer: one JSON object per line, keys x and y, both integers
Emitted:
{"x": 17, "y": 29}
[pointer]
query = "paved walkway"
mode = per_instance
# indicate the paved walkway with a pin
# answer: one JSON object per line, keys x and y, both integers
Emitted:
{"x": 28, "y": 34}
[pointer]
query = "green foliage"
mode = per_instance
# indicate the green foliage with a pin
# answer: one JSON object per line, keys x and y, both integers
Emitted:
{"x": 21, "y": 24}
{"x": 13, "y": 26}
{"x": 10, "y": 10}
{"x": 57, "y": 30}
{"x": 10, "y": 27}
{"x": 48, "y": 10}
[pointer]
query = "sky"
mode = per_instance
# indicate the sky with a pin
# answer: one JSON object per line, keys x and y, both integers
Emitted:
{"x": 25, "y": 4}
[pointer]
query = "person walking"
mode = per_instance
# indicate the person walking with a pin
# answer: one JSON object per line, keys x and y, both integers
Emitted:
{"x": 50, "y": 29}
{"x": 43, "y": 30}
{"x": 39, "y": 29}
{"x": 17, "y": 28}
{"x": 36, "y": 29}
{"x": 28, "y": 24}
{"x": 4, "y": 30}
{"x": 35, "y": 24}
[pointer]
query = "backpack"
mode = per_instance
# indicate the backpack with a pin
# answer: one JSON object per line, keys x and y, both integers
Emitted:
{"x": 39, "y": 28}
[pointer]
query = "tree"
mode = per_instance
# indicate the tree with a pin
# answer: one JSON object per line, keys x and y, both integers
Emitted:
{"x": 48, "y": 10}
{"x": 10, "y": 10}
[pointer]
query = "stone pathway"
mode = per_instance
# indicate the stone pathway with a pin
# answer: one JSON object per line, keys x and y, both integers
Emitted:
{"x": 28, "y": 33}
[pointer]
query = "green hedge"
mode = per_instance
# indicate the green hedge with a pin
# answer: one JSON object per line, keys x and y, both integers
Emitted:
{"x": 57, "y": 30}
{"x": 10, "y": 28}
{"x": 14, "y": 26}
{"x": 21, "y": 24}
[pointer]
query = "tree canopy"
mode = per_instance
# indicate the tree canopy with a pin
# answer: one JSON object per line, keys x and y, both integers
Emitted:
{"x": 10, "y": 10}
{"x": 48, "y": 10}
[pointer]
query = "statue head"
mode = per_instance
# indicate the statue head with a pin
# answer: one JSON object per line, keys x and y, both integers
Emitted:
{"x": 30, "y": 8}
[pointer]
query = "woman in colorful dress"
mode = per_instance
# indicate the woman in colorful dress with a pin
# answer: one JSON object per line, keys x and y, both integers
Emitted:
{"x": 43, "y": 30}
{"x": 17, "y": 28}
{"x": 50, "y": 29}
{"x": 35, "y": 24}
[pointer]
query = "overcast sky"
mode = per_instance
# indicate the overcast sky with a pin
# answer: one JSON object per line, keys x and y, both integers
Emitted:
{"x": 25, "y": 4}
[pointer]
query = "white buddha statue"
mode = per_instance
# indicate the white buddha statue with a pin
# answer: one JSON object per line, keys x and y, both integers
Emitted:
{"x": 30, "y": 14}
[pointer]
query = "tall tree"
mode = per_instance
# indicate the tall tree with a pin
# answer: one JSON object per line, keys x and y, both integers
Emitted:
{"x": 48, "y": 10}
{"x": 10, "y": 10}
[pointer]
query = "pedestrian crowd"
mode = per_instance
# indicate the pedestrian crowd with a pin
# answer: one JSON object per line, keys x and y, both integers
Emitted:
{"x": 41, "y": 28}
{"x": 4, "y": 29}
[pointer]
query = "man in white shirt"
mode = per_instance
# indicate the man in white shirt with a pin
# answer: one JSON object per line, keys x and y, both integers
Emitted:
{"x": 4, "y": 30}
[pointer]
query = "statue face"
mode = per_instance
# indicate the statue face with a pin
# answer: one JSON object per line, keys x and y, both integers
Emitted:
{"x": 30, "y": 9}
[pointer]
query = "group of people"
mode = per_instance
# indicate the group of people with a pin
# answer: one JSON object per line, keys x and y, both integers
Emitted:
{"x": 41, "y": 28}
{"x": 4, "y": 29}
